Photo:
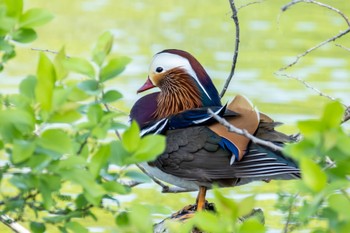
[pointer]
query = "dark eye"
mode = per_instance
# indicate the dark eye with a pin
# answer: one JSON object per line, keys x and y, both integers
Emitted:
{"x": 159, "y": 69}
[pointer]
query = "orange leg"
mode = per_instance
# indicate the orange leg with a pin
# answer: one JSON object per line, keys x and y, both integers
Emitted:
{"x": 201, "y": 198}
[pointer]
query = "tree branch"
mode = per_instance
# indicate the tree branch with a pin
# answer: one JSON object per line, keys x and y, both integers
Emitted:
{"x": 235, "y": 56}
{"x": 287, "y": 6}
{"x": 12, "y": 224}
{"x": 314, "y": 48}
{"x": 244, "y": 132}
{"x": 343, "y": 47}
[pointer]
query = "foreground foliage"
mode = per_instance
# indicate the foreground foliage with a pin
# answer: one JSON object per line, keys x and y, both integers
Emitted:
{"x": 57, "y": 132}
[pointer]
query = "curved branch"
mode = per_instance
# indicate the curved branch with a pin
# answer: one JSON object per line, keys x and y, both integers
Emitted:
{"x": 285, "y": 7}
{"x": 235, "y": 56}
{"x": 315, "y": 47}
{"x": 294, "y": 2}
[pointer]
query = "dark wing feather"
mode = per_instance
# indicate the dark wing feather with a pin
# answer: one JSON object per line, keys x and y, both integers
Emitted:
{"x": 194, "y": 154}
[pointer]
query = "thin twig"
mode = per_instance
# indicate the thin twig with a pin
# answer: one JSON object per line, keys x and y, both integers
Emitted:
{"x": 287, "y": 6}
{"x": 290, "y": 213}
{"x": 306, "y": 84}
{"x": 115, "y": 131}
{"x": 346, "y": 116}
{"x": 12, "y": 224}
{"x": 343, "y": 47}
{"x": 244, "y": 132}
{"x": 235, "y": 56}
{"x": 314, "y": 48}
{"x": 250, "y": 3}
{"x": 47, "y": 51}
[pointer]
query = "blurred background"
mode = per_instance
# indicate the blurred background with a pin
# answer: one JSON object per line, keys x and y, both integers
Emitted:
{"x": 270, "y": 39}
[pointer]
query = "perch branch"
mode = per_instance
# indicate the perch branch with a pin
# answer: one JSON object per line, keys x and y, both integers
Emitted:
{"x": 244, "y": 132}
{"x": 287, "y": 6}
{"x": 235, "y": 56}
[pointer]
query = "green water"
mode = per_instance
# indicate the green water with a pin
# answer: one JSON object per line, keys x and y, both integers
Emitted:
{"x": 269, "y": 40}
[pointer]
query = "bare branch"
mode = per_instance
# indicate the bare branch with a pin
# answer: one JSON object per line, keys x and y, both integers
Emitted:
{"x": 306, "y": 84}
{"x": 320, "y": 93}
{"x": 47, "y": 51}
{"x": 314, "y": 48}
{"x": 343, "y": 47}
{"x": 250, "y": 3}
{"x": 290, "y": 213}
{"x": 235, "y": 56}
{"x": 287, "y": 6}
{"x": 12, "y": 224}
{"x": 244, "y": 132}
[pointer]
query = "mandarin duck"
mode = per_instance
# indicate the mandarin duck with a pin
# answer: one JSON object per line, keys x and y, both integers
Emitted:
{"x": 199, "y": 151}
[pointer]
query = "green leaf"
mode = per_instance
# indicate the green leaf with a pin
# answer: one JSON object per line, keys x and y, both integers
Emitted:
{"x": 122, "y": 219}
{"x": 65, "y": 116}
{"x": 39, "y": 162}
{"x": 61, "y": 71}
{"x": 208, "y": 222}
{"x": 246, "y": 205}
{"x": 37, "y": 227}
{"x": 46, "y": 78}
{"x": 34, "y": 17}
{"x": 103, "y": 48}
{"x": 16, "y": 123}
{"x": 47, "y": 185}
{"x": 252, "y": 225}
{"x": 99, "y": 159}
{"x": 95, "y": 113}
{"x": 7, "y": 23}
{"x": 14, "y": 8}
{"x": 340, "y": 204}
{"x": 56, "y": 140}
{"x": 24, "y": 35}
{"x": 333, "y": 114}
{"x": 114, "y": 67}
{"x": 149, "y": 148}
{"x": 111, "y": 96}
{"x": 90, "y": 87}
{"x": 119, "y": 155}
{"x": 131, "y": 137}
{"x": 80, "y": 66}
{"x": 140, "y": 218}
{"x": 115, "y": 187}
{"x": 27, "y": 87}
{"x": 22, "y": 150}
{"x": 312, "y": 175}
{"x": 93, "y": 191}
{"x": 76, "y": 227}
